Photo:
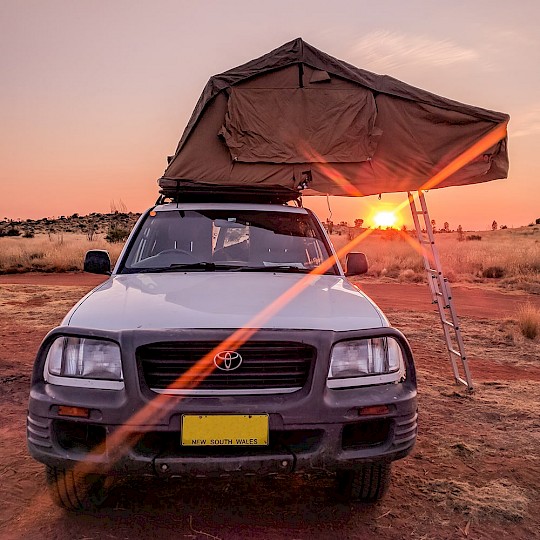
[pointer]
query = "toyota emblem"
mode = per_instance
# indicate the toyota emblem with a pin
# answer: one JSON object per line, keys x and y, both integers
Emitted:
{"x": 227, "y": 360}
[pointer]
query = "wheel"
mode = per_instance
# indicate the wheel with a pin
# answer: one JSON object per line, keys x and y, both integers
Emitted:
{"x": 74, "y": 490}
{"x": 368, "y": 483}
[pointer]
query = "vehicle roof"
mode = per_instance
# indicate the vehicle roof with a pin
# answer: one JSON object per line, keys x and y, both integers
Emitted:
{"x": 169, "y": 207}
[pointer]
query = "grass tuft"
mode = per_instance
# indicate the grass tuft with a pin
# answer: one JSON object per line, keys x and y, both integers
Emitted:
{"x": 499, "y": 498}
{"x": 529, "y": 321}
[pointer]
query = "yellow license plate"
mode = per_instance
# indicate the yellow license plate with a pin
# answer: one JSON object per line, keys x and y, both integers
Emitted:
{"x": 225, "y": 430}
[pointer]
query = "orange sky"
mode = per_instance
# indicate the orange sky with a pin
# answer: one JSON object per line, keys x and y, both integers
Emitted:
{"x": 95, "y": 95}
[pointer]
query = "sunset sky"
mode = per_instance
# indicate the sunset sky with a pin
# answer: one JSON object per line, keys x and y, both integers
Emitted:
{"x": 95, "y": 94}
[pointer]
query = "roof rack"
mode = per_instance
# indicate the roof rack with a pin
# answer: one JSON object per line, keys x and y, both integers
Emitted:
{"x": 186, "y": 191}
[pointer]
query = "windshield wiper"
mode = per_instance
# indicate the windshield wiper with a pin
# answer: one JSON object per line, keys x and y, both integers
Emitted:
{"x": 202, "y": 265}
{"x": 179, "y": 267}
{"x": 275, "y": 268}
{"x": 212, "y": 267}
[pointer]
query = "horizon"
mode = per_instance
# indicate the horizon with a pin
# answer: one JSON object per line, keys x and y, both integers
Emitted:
{"x": 92, "y": 103}
{"x": 439, "y": 227}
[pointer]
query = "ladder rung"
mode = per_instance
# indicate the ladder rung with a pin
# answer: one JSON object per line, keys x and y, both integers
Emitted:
{"x": 456, "y": 353}
{"x": 463, "y": 381}
{"x": 448, "y": 323}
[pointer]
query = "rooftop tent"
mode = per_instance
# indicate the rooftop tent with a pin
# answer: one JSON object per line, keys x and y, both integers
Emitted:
{"x": 297, "y": 117}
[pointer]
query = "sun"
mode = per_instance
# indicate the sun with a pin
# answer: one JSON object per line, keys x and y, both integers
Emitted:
{"x": 385, "y": 219}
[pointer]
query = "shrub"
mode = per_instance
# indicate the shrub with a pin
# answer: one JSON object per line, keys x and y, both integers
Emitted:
{"x": 28, "y": 234}
{"x": 117, "y": 234}
{"x": 392, "y": 271}
{"x": 474, "y": 237}
{"x": 493, "y": 272}
{"x": 13, "y": 232}
{"x": 529, "y": 321}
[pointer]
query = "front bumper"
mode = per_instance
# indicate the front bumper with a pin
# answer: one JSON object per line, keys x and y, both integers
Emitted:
{"x": 135, "y": 431}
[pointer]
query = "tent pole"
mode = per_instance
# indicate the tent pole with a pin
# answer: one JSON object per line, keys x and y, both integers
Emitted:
{"x": 441, "y": 294}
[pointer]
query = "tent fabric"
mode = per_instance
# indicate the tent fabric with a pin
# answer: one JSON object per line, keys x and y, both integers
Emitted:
{"x": 298, "y": 115}
{"x": 300, "y": 122}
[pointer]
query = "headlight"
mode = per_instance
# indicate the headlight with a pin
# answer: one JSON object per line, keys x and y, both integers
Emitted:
{"x": 365, "y": 361}
{"x": 71, "y": 360}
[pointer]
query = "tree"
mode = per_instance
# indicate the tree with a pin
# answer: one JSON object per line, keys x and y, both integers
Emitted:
{"x": 460, "y": 235}
{"x": 329, "y": 226}
{"x": 358, "y": 223}
{"x": 433, "y": 225}
{"x": 446, "y": 226}
{"x": 494, "y": 226}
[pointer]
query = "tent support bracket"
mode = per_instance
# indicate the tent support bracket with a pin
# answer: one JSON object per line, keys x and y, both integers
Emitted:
{"x": 441, "y": 294}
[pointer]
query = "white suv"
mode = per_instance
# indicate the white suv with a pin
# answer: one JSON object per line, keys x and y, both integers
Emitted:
{"x": 227, "y": 340}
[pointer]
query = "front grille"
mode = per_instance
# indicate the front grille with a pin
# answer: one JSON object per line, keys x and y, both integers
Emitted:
{"x": 265, "y": 366}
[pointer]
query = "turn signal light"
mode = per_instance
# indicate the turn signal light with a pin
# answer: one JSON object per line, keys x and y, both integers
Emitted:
{"x": 79, "y": 412}
{"x": 373, "y": 410}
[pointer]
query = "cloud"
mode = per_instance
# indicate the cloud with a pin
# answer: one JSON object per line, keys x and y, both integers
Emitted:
{"x": 525, "y": 124}
{"x": 383, "y": 51}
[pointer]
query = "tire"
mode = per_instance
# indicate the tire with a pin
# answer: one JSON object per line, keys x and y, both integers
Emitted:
{"x": 367, "y": 484}
{"x": 76, "y": 491}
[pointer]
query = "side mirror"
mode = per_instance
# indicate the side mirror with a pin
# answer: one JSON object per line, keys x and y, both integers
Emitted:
{"x": 356, "y": 264}
{"x": 97, "y": 261}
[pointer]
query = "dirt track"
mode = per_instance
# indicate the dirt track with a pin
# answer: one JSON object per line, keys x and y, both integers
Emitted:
{"x": 475, "y": 471}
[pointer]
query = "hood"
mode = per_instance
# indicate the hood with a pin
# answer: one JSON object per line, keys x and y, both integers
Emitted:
{"x": 226, "y": 300}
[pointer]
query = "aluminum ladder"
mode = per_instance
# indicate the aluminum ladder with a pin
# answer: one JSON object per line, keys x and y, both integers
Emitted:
{"x": 441, "y": 294}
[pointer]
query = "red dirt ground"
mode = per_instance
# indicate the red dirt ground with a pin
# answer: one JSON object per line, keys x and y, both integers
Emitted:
{"x": 475, "y": 471}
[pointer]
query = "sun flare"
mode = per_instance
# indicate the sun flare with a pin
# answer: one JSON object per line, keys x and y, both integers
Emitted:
{"x": 385, "y": 219}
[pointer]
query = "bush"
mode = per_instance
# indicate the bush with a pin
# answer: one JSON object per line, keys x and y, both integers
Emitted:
{"x": 493, "y": 272}
{"x": 117, "y": 234}
{"x": 474, "y": 237}
{"x": 28, "y": 234}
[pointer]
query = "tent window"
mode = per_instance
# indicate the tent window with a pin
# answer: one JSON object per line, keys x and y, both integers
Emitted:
{"x": 299, "y": 125}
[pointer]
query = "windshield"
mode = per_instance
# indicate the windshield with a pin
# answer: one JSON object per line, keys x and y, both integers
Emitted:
{"x": 241, "y": 240}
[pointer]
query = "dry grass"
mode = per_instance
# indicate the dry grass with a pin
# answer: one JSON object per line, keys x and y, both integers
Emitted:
{"x": 509, "y": 258}
{"x": 499, "y": 498}
{"x": 528, "y": 318}
{"x": 50, "y": 253}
